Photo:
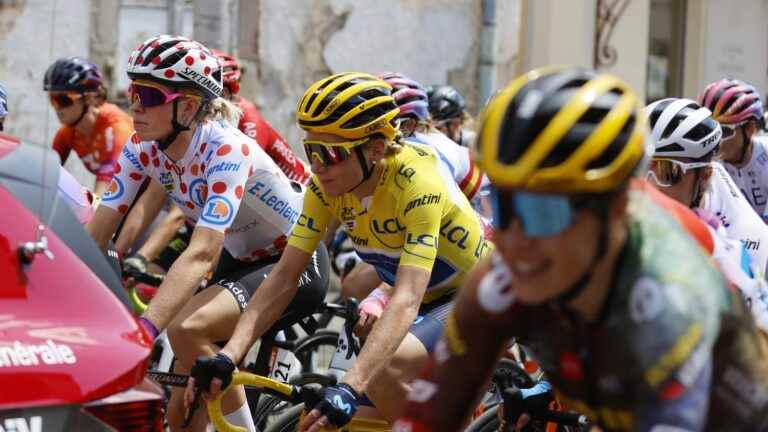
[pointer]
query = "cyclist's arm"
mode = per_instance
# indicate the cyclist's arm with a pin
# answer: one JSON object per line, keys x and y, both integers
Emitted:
{"x": 390, "y": 330}
{"x": 142, "y": 214}
{"x": 268, "y": 303}
{"x": 185, "y": 275}
{"x": 276, "y": 292}
{"x": 472, "y": 341}
{"x": 121, "y": 192}
{"x": 163, "y": 234}
{"x": 103, "y": 225}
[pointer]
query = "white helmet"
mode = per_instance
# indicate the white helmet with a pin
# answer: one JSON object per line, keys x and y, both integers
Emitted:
{"x": 177, "y": 61}
{"x": 682, "y": 128}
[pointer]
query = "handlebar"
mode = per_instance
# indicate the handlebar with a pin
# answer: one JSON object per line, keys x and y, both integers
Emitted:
{"x": 292, "y": 393}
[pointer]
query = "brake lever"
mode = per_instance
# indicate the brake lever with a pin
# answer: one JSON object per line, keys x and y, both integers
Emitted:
{"x": 192, "y": 408}
{"x": 350, "y": 321}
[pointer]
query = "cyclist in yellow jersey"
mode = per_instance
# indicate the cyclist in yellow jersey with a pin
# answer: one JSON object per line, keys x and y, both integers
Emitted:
{"x": 406, "y": 217}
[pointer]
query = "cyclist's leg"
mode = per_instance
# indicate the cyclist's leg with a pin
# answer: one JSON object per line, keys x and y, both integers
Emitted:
{"x": 204, "y": 321}
{"x": 388, "y": 389}
{"x": 209, "y": 316}
{"x": 360, "y": 281}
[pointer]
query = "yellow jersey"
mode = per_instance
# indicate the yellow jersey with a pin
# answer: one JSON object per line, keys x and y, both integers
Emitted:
{"x": 416, "y": 216}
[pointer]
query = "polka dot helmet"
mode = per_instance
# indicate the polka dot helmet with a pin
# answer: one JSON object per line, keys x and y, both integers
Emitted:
{"x": 176, "y": 61}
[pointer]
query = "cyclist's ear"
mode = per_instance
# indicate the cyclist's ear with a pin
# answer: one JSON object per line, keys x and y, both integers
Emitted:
{"x": 377, "y": 148}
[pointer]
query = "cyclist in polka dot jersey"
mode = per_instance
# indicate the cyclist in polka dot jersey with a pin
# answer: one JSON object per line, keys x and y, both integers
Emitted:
{"x": 240, "y": 202}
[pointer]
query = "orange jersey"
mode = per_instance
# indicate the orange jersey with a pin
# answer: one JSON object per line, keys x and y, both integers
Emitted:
{"x": 112, "y": 129}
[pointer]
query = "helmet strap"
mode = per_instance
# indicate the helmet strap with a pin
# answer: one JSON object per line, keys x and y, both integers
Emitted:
{"x": 602, "y": 248}
{"x": 746, "y": 142}
{"x": 365, "y": 166}
{"x": 698, "y": 191}
{"x": 82, "y": 113}
{"x": 178, "y": 128}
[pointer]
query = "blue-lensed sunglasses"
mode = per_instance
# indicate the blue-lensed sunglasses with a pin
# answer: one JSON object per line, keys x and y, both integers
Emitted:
{"x": 541, "y": 215}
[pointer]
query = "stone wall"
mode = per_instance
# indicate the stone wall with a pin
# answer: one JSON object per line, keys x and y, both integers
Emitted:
{"x": 285, "y": 46}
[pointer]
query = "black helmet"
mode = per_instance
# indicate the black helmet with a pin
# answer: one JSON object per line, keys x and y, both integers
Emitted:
{"x": 72, "y": 74}
{"x": 445, "y": 102}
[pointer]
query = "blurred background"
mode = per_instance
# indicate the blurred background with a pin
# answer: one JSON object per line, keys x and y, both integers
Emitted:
{"x": 661, "y": 47}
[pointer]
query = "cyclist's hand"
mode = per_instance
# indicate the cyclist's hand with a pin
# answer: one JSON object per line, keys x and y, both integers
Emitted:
{"x": 336, "y": 409}
{"x": 365, "y": 323}
{"x": 211, "y": 375}
{"x": 529, "y": 402}
{"x": 370, "y": 310}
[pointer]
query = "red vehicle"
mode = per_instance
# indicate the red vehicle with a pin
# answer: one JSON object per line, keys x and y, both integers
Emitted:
{"x": 72, "y": 357}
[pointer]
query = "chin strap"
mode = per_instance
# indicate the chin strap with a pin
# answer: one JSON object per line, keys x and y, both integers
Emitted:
{"x": 82, "y": 113}
{"x": 602, "y": 248}
{"x": 177, "y": 127}
{"x": 698, "y": 192}
{"x": 366, "y": 166}
{"x": 746, "y": 143}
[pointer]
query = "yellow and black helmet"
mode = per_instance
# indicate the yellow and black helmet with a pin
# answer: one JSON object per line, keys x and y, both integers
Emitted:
{"x": 351, "y": 105}
{"x": 562, "y": 130}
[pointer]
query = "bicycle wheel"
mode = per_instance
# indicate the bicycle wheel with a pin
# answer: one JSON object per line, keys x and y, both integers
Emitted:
{"x": 316, "y": 350}
{"x": 288, "y": 421}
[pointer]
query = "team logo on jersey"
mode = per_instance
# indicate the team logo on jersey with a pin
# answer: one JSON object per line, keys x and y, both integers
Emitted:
{"x": 218, "y": 211}
{"x": 115, "y": 190}
{"x": 198, "y": 192}
{"x": 166, "y": 179}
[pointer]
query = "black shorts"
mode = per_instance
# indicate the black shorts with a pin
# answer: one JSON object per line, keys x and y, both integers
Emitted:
{"x": 429, "y": 323}
{"x": 242, "y": 279}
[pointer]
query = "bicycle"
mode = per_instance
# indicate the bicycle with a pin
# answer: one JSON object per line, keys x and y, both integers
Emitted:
{"x": 502, "y": 413}
{"x": 300, "y": 396}
{"x": 268, "y": 364}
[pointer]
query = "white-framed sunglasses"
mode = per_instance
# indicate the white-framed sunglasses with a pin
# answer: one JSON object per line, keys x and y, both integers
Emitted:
{"x": 671, "y": 178}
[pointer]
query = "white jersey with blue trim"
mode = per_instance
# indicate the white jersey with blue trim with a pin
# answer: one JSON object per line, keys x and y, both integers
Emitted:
{"x": 752, "y": 178}
{"x": 224, "y": 181}
{"x": 740, "y": 221}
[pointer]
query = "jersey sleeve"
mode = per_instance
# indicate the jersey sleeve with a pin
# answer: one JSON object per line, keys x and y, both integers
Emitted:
{"x": 114, "y": 137}
{"x": 421, "y": 213}
{"x": 225, "y": 187}
{"x": 310, "y": 227}
{"x": 61, "y": 144}
{"x": 469, "y": 176}
{"x": 130, "y": 171}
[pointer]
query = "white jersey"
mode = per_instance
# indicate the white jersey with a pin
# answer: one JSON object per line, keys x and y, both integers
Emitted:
{"x": 752, "y": 178}
{"x": 740, "y": 221}
{"x": 734, "y": 261}
{"x": 224, "y": 182}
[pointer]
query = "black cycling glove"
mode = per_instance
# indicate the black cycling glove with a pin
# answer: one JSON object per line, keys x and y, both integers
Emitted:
{"x": 207, "y": 368}
{"x": 339, "y": 404}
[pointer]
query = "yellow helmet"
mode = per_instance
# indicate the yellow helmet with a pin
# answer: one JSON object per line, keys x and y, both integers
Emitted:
{"x": 351, "y": 105}
{"x": 562, "y": 130}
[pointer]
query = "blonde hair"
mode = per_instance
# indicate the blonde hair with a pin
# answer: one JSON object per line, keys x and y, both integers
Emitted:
{"x": 222, "y": 109}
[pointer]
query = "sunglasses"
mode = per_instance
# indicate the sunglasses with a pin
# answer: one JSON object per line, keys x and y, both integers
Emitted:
{"x": 64, "y": 100}
{"x": 541, "y": 215}
{"x": 149, "y": 95}
{"x": 330, "y": 153}
{"x": 729, "y": 131}
{"x": 669, "y": 172}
